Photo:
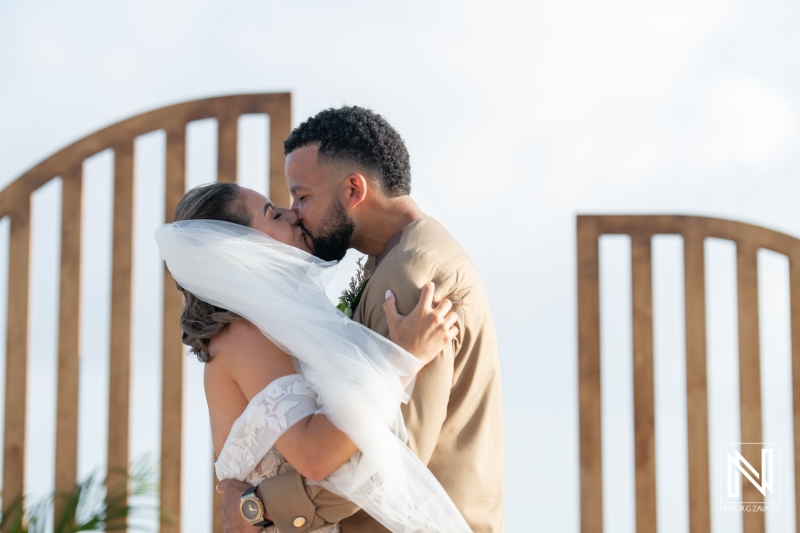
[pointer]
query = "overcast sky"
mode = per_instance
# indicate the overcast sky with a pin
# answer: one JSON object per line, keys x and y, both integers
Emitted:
{"x": 518, "y": 116}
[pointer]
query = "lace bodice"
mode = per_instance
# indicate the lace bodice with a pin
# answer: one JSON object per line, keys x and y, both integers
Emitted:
{"x": 249, "y": 453}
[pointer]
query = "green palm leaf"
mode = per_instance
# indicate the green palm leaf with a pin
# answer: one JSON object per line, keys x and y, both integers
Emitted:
{"x": 90, "y": 506}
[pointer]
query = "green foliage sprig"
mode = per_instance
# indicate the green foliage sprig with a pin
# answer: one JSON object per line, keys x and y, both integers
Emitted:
{"x": 350, "y": 297}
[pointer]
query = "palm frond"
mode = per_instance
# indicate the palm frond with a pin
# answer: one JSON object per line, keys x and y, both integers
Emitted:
{"x": 91, "y": 506}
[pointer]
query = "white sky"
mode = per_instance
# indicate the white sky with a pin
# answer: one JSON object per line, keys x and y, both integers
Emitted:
{"x": 518, "y": 116}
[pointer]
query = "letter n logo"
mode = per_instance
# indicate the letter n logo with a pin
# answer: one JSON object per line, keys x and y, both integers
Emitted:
{"x": 738, "y": 464}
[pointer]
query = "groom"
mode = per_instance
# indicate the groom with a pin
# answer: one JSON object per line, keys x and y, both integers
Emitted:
{"x": 349, "y": 175}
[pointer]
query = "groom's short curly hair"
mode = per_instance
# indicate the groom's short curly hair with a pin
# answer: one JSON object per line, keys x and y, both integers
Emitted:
{"x": 358, "y": 135}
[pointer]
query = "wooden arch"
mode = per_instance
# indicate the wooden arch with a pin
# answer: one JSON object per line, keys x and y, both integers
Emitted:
{"x": 694, "y": 230}
{"x": 15, "y": 203}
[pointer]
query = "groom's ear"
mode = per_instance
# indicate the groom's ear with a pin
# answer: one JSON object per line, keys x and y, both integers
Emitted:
{"x": 354, "y": 190}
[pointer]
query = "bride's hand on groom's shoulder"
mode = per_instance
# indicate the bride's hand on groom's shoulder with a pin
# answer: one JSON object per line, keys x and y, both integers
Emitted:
{"x": 427, "y": 329}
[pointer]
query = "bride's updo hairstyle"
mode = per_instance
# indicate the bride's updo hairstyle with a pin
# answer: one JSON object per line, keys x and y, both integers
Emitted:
{"x": 201, "y": 321}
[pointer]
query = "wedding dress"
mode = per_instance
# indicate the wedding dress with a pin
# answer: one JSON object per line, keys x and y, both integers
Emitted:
{"x": 249, "y": 453}
{"x": 358, "y": 376}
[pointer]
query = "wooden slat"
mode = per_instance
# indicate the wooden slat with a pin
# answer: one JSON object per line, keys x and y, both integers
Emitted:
{"x": 643, "y": 395}
{"x": 794, "y": 289}
{"x": 120, "y": 354}
{"x": 280, "y": 126}
{"x": 126, "y": 130}
{"x": 216, "y": 520}
{"x": 749, "y": 374}
{"x": 16, "y": 352}
{"x": 173, "y": 356}
{"x": 68, "y": 335}
{"x": 696, "y": 383}
{"x": 591, "y": 457}
{"x": 227, "y": 148}
{"x": 712, "y": 227}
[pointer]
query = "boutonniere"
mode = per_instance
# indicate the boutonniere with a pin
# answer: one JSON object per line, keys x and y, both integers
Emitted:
{"x": 350, "y": 297}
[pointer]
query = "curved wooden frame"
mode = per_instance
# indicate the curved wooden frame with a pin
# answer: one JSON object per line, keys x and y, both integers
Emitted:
{"x": 695, "y": 230}
{"x": 15, "y": 203}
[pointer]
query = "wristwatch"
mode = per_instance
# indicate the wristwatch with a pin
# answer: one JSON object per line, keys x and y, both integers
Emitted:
{"x": 252, "y": 509}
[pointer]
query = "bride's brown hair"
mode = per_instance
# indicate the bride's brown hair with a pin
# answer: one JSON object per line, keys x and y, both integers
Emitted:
{"x": 201, "y": 321}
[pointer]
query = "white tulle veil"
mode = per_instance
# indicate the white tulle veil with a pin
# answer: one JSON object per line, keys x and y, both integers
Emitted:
{"x": 357, "y": 373}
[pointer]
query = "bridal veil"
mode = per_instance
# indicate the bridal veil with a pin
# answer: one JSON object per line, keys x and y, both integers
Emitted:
{"x": 357, "y": 374}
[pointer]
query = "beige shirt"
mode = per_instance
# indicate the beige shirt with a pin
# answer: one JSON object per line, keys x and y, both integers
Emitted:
{"x": 454, "y": 418}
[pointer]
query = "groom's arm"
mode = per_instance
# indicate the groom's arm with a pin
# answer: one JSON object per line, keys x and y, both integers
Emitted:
{"x": 291, "y": 504}
{"x": 295, "y": 506}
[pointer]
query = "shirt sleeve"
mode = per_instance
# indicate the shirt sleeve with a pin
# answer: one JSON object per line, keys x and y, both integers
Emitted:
{"x": 296, "y": 506}
{"x": 426, "y": 411}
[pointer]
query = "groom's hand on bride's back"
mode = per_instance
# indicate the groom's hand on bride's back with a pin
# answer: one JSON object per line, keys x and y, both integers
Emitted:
{"x": 427, "y": 329}
{"x": 232, "y": 519}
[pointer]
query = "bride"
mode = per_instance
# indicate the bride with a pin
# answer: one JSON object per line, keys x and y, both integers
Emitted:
{"x": 290, "y": 381}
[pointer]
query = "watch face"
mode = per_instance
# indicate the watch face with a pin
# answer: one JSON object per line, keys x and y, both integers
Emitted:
{"x": 250, "y": 510}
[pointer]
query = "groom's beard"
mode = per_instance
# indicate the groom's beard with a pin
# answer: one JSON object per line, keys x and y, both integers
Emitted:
{"x": 333, "y": 240}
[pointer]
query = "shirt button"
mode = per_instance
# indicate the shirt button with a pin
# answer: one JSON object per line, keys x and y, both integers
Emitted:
{"x": 299, "y": 521}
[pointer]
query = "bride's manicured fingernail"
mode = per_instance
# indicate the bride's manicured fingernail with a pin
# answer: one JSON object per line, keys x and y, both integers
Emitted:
{"x": 388, "y": 293}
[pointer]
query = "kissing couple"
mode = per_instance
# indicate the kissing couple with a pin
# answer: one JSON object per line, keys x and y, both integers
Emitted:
{"x": 387, "y": 421}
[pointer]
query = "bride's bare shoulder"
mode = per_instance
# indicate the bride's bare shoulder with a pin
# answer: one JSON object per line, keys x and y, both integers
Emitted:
{"x": 239, "y": 335}
{"x": 243, "y": 354}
